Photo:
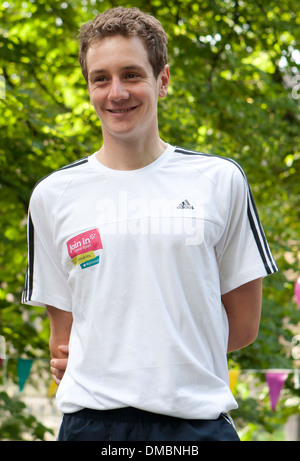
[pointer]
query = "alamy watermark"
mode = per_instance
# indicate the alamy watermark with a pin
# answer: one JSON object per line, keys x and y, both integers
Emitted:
{"x": 140, "y": 216}
{"x": 2, "y": 87}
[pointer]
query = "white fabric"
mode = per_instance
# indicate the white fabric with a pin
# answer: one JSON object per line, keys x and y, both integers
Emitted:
{"x": 154, "y": 250}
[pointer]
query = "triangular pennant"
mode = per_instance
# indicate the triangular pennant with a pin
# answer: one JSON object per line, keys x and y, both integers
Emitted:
{"x": 275, "y": 382}
{"x": 23, "y": 368}
{"x": 233, "y": 377}
{"x": 52, "y": 388}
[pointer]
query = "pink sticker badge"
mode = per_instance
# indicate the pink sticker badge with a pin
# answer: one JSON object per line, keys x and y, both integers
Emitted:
{"x": 83, "y": 243}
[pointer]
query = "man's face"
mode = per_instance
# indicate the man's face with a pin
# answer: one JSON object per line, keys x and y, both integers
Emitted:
{"x": 122, "y": 87}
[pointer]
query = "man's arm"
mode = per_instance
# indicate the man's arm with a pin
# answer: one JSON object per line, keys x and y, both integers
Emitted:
{"x": 60, "y": 329}
{"x": 243, "y": 307}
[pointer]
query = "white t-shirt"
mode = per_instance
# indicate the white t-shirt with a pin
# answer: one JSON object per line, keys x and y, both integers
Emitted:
{"x": 141, "y": 259}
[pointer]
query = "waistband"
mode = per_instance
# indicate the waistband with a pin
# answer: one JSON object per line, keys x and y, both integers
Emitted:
{"x": 127, "y": 414}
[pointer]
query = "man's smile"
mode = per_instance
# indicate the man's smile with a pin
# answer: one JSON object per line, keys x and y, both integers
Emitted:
{"x": 122, "y": 111}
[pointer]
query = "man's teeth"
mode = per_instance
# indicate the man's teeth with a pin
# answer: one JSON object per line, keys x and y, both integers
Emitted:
{"x": 122, "y": 110}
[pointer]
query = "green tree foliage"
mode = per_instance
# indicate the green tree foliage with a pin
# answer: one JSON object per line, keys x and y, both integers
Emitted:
{"x": 16, "y": 423}
{"x": 234, "y": 68}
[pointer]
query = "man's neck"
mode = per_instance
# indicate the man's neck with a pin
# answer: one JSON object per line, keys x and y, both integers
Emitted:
{"x": 130, "y": 155}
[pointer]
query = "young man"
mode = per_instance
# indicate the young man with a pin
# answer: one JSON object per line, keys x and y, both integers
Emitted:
{"x": 149, "y": 258}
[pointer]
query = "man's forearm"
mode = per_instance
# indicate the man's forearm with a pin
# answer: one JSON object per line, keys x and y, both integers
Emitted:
{"x": 60, "y": 329}
{"x": 243, "y": 308}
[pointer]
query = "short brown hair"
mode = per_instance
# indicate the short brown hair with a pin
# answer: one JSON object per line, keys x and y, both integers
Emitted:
{"x": 128, "y": 22}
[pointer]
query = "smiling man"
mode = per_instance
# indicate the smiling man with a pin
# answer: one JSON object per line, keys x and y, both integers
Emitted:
{"x": 124, "y": 92}
{"x": 148, "y": 257}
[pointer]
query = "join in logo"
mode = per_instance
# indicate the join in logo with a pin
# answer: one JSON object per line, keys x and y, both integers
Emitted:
{"x": 82, "y": 248}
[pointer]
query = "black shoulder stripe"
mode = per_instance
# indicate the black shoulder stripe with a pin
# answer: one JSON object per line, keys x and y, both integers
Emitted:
{"x": 255, "y": 224}
{"x": 27, "y": 293}
{"x": 261, "y": 240}
{"x": 29, "y": 271}
{"x": 71, "y": 165}
{"x": 192, "y": 152}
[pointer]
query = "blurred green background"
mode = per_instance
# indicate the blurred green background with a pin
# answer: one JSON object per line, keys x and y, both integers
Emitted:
{"x": 235, "y": 92}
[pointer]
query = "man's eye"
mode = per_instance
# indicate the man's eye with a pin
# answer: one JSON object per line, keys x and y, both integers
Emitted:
{"x": 131, "y": 76}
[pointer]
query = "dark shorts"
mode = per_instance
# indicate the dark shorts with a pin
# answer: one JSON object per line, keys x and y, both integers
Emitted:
{"x": 131, "y": 424}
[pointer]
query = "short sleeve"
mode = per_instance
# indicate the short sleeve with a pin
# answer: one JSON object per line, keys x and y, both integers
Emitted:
{"x": 243, "y": 252}
{"x": 46, "y": 283}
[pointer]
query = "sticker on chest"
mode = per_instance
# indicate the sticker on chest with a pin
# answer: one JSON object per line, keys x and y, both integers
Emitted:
{"x": 82, "y": 247}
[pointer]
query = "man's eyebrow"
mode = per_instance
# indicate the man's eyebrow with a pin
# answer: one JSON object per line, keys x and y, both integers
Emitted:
{"x": 130, "y": 67}
{"x": 133, "y": 67}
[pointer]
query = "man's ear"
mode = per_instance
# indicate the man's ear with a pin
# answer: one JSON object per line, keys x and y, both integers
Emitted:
{"x": 164, "y": 79}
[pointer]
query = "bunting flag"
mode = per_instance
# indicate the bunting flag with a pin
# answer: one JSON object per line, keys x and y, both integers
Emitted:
{"x": 275, "y": 378}
{"x": 23, "y": 368}
{"x": 233, "y": 377}
{"x": 275, "y": 382}
{"x": 52, "y": 388}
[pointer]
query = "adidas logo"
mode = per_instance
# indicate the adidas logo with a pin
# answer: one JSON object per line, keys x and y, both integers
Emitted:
{"x": 185, "y": 204}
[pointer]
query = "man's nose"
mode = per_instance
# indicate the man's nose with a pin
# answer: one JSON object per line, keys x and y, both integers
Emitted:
{"x": 117, "y": 91}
